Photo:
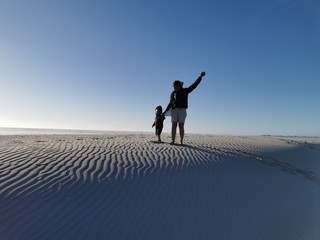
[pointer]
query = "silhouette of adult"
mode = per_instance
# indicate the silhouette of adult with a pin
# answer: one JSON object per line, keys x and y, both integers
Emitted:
{"x": 178, "y": 105}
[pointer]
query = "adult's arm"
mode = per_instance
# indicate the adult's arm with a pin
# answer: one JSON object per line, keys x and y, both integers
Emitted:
{"x": 196, "y": 83}
{"x": 170, "y": 104}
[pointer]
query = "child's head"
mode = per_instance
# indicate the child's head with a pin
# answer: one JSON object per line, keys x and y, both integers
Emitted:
{"x": 158, "y": 110}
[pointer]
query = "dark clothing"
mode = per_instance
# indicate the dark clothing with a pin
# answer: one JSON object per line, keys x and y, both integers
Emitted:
{"x": 179, "y": 99}
{"x": 159, "y": 130}
{"x": 158, "y": 122}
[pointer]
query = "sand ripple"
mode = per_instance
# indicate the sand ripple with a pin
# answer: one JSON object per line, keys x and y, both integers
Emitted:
{"x": 126, "y": 186}
{"x": 40, "y": 163}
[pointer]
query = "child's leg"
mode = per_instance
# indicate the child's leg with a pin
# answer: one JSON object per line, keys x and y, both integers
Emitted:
{"x": 159, "y": 130}
{"x": 158, "y": 133}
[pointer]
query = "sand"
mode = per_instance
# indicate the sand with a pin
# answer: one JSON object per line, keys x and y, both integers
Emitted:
{"x": 126, "y": 186}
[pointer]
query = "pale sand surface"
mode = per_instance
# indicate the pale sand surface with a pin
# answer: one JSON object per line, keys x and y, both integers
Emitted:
{"x": 125, "y": 186}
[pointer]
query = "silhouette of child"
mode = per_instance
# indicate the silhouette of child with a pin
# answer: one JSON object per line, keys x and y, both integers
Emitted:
{"x": 158, "y": 122}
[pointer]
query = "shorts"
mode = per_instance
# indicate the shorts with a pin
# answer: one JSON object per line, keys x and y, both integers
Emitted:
{"x": 178, "y": 115}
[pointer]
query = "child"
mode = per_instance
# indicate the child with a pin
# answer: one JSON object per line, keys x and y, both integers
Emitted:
{"x": 158, "y": 122}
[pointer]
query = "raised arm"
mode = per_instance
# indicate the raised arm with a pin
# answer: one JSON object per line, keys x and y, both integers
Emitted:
{"x": 196, "y": 83}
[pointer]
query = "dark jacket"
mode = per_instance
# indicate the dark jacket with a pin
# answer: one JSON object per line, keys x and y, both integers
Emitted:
{"x": 158, "y": 121}
{"x": 179, "y": 99}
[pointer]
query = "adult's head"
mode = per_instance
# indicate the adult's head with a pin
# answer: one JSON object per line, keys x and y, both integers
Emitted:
{"x": 177, "y": 85}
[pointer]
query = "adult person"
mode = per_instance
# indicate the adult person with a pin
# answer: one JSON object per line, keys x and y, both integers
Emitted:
{"x": 178, "y": 105}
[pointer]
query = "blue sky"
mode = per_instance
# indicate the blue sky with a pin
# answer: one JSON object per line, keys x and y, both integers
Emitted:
{"x": 105, "y": 65}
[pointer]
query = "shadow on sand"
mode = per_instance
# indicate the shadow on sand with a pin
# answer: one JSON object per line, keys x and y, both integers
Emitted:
{"x": 271, "y": 162}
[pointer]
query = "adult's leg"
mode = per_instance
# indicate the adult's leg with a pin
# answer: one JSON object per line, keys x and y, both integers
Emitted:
{"x": 182, "y": 118}
{"x": 181, "y": 131}
{"x": 174, "y": 131}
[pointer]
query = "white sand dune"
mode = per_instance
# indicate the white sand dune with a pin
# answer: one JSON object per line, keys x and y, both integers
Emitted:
{"x": 125, "y": 186}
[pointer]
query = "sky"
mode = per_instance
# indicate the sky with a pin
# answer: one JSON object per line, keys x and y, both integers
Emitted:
{"x": 106, "y": 65}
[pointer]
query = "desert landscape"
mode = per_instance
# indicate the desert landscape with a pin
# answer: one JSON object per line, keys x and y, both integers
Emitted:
{"x": 128, "y": 186}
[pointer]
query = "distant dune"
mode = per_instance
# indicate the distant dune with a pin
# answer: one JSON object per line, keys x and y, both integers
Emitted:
{"x": 127, "y": 186}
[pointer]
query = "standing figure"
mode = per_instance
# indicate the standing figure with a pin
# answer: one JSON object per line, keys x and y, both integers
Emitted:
{"x": 178, "y": 105}
{"x": 158, "y": 122}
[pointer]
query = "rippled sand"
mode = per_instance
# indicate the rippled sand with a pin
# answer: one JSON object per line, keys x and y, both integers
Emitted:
{"x": 126, "y": 186}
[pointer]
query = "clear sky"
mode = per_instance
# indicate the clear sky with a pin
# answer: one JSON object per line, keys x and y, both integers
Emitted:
{"x": 105, "y": 65}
